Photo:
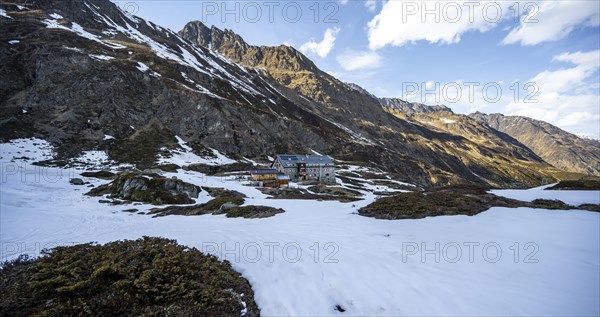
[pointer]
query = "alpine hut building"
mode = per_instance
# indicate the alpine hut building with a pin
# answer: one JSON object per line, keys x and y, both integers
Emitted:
{"x": 306, "y": 167}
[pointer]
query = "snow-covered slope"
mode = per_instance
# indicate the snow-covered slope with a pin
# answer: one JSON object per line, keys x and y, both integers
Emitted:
{"x": 319, "y": 254}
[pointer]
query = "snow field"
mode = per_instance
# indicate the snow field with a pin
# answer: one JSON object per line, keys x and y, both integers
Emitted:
{"x": 319, "y": 254}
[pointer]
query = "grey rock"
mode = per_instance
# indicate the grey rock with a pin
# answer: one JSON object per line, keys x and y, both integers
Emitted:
{"x": 411, "y": 108}
{"x": 76, "y": 181}
{"x": 155, "y": 190}
{"x": 150, "y": 171}
{"x": 227, "y": 206}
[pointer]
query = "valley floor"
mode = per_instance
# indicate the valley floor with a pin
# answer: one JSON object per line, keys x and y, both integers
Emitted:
{"x": 322, "y": 254}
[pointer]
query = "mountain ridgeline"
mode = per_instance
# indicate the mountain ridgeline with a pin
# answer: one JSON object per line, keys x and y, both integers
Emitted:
{"x": 75, "y": 72}
{"x": 557, "y": 147}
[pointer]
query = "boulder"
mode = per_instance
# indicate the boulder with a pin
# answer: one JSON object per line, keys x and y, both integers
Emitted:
{"x": 154, "y": 190}
{"x": 227, "y": 206}
{"x": 76, "y": 181}
{"x": 151, "y": 171}
{"x": 103, "y": 174}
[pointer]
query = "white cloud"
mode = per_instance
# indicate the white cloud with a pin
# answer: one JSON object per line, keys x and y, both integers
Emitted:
{"x": 334, "y": 74}
{"x": 575, "y": 118}
{"x": 554, "y": 20}
{"x": 343, "y": 1}
{"x": 363, "y": 78}
{"x": 352, "y": 60}
{"x": 584, "y": 59}
{"x": 563, "y": 79}
{"x": 402, "y": 22}
{"x": 380, "y": 91}
{"x": 371, "y": 5}
{"x": 322, "y": 48}
{"x": 462, "y": 97}
{"x": 567, "y": 97}
{"x": 288, "y": 43}
{"x": 429, "y": 85}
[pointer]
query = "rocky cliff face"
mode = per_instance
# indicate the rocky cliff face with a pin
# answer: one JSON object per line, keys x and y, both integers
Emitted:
{"x": 557, "y": 147}
{"x": 409, "y": 108}
{"x": 83, "y": 69}
{"x": 76, "y": 72}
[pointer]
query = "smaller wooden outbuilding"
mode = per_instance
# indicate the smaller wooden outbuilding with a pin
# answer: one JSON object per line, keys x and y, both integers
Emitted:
{"x": 282, "y": 181}
{"x": 269, "y": 178}
{"x": 264, "y": 174}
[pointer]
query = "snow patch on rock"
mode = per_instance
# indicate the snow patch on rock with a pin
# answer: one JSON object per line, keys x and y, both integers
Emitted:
{"x": 142, "y": 67}
{"x": 3, "y": 14}
{"x": 79, "y": 30}
{"x": 186, "y": 156}
{"x": 56, "y": 16}
{"x": 102, "y": 58}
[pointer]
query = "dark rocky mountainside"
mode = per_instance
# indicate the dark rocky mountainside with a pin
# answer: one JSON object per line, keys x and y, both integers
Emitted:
{"x": 556, "y": 146}
{"x": 83, "y": 69}
{"x": 74, "y": 72}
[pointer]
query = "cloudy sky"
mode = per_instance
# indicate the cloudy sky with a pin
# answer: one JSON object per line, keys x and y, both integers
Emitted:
{"x": 534, "y": 58}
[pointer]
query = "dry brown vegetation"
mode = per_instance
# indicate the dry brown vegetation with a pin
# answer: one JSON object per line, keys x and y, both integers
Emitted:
{"x": 145, "y": 277}
{"x": 582, "y": 184}
{"x": 462, "y": 200}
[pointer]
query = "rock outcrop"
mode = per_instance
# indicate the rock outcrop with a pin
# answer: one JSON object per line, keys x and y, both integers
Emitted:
{"x": 409, "y": 108}
{"x": 155, "y": 190}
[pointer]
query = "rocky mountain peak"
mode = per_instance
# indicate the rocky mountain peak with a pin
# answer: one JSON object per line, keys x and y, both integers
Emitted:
{"x": 233, "y": 46}
{"x": 213, "y": 38}
{"x": 197, "y": 33}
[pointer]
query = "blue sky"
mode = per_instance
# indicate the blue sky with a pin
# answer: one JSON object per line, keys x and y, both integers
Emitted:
{"x": 550, "y": 50}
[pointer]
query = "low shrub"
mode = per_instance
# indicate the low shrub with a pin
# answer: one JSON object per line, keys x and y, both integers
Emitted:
{"x": 253, "y": 212}
{"x": 211, "y": 207}
{"x": 99, "y": 174}
{"x": 550, "y": 204}
{"x": 144, "y": 277}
